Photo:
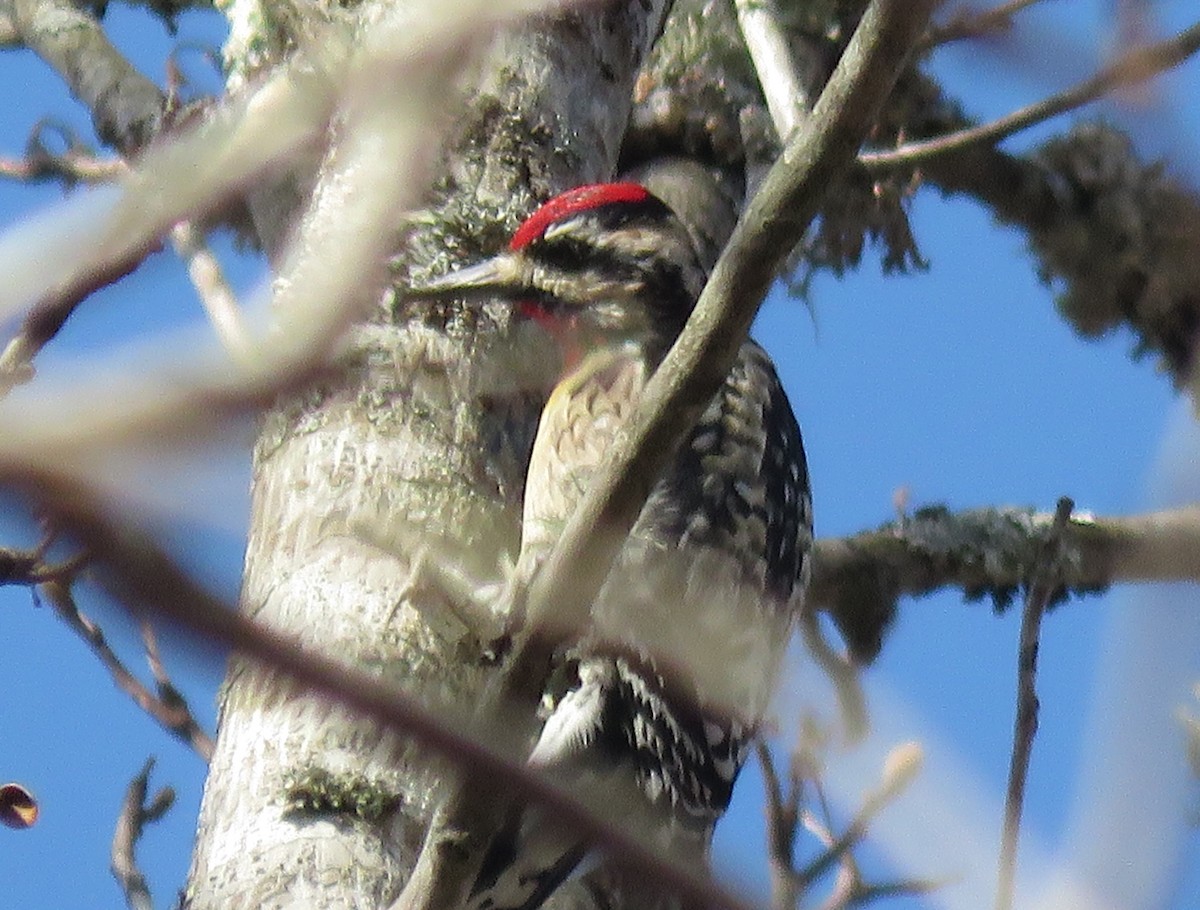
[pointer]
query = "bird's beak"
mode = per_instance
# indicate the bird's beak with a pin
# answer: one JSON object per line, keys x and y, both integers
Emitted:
{"x": 506, "y": 273}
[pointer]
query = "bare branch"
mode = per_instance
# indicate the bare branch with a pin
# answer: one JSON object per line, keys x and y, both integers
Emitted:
{"x": 29, "y": 567}
{"x": 901, "y": 765}
{"x": 863, "y": 894}
{"x": 1136, "y": 66}
{"x": 969, "y": 24}
{"x": 75, "y": 165}
{"x": 859, "y": 579}
{"x": 1042, "y": 586}
{"x": 126, "y": 107}
{"x": 135, "y": 814}
{"x": 217, "y": 297}
{"x": 227, "y": 147}
{"x": 783, "y": 819}
{"x": 842, "y": 672}
{"x": 168, "y": 708}
{"x": 32, "y": 170}
{"x": 50, "y": 314}
{"x": 184, "y": 724}
{"x": 787, "y": 99}
{"x": 78, "y": 164}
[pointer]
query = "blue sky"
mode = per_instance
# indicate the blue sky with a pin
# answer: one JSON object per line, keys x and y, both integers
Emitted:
{"x": 961, "y": 384}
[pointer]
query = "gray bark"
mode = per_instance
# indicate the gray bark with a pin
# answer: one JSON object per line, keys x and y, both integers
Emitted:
{"x": 422, "y": 435}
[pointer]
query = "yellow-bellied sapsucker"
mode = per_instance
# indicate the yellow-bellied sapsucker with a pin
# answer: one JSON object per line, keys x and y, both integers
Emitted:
{"x": 677, "y": 665}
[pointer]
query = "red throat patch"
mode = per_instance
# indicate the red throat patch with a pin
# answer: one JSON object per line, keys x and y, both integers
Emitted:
{"x": 563, "y": 331}
{"x": 564, "y": 205}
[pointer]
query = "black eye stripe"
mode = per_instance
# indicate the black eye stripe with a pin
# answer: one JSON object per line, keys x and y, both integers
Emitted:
{"x": 574, "y": 254}
{"x": 617, "y": 250}
{"x": 661, "y": 278}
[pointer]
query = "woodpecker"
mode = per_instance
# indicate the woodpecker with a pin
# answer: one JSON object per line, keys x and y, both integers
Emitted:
{"x": 667, "y": 684}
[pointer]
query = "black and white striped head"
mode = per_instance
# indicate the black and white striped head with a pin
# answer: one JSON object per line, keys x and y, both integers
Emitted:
{"x": 608, "y": 259}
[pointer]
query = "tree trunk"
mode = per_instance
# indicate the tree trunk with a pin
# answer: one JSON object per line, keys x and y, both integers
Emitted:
{"x": 421, "y": 436}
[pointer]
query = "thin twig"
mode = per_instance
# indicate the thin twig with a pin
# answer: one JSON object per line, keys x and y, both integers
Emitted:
{"x": 29, "y": 567}
{"x": 168, "y": 708}
{"x": 184, "y": 726}
{"x": 969, "y": 24}
{"x": 204, "y": 270}
{"x": 67, "y": 167}
{"x": 787, "y": 100}
{"x": 136, "y": 813}
{"x": 849, "y": 888}
{"x": 841, "y": 671}
{"x": 220, "y": 303}
{"x": 1042, "y": 587}
{"x": 783, "y": 819}
{"x": 848, "y": 876}
{"x": 47, "y": 317}
{"x": 837, "y": 850}
{"x": 901, "y": 765}
{"x": 863, "y": 893}
{"x": 1136, "y": 66}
